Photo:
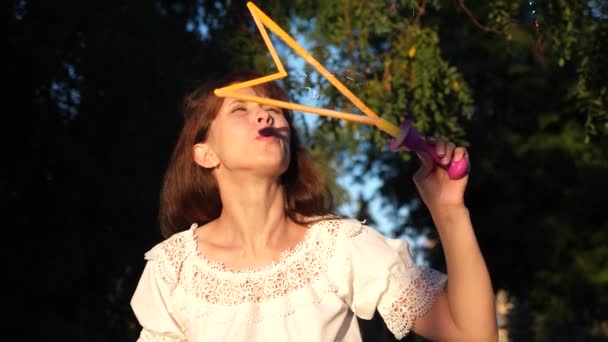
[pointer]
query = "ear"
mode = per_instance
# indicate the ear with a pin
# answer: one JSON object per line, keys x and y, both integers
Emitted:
{"x": 204, "y": 156}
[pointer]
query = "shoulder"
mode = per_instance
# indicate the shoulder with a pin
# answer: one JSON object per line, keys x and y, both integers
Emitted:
{"x": 348, "y": 234}
{"x": 174, "y": 247}
{"x": 167, "y": 256}
{"x": 339, "y": 228}
{"x": 355, "y": 237}
{"x": 346, "y": 228}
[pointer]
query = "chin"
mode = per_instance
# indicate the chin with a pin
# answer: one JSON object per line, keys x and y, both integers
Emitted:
{"x": 276, "y": 168}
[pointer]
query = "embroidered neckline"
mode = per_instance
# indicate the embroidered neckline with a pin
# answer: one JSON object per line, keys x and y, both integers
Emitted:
{"x": 284, "y": 259}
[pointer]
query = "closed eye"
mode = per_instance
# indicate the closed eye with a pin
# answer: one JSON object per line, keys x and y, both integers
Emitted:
{"x": 275, "y": 110}
{"x": 238, "y": 109}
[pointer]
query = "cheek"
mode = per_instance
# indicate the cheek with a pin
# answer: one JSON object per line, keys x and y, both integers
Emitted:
{"x": 215, "y": 139}
{"x": 231, "y": 140}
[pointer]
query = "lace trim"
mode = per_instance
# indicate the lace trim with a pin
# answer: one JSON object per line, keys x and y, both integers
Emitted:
{"x": 252, "y": 309}
{"x": 297, "y": 267}
{"x": 148, "y": 336}
{"x": 299, "y": 278}
{"x": 309, "y": 248}
{"x": 169, "y": 255}
{"x": 284, "y": 258}
{"x": 414, "y": 300}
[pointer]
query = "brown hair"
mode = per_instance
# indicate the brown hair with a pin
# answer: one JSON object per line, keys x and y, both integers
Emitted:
{"x": 190, "y": 192}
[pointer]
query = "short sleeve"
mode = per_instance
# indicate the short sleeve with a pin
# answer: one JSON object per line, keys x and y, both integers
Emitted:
{"x": 384, "y": 277}
{"x": 151, "y": 305}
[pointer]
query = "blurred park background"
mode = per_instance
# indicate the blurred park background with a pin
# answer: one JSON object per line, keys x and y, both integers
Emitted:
{"x": 91, "y": 116}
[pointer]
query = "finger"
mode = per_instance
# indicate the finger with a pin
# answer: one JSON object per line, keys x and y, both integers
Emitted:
{"x": 438, "y": 144}
{"x": 426, "y": 166}
{"x": 459, "y": 154}
{"x": 449, "y": 153}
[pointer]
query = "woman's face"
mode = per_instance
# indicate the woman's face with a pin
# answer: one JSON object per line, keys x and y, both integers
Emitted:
{"x": 250, "y": 136}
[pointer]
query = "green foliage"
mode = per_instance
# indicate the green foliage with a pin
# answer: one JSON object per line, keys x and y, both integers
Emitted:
{"x": 527, "y": 93}
{"x": 501, "y": 14}
{"x": 95, "y": 122}
{"x": 405, "y": 72}
{"x": 573, "y": 32}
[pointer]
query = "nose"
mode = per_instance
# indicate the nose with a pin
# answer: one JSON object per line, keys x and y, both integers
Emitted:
{"x": 263, "y": 116}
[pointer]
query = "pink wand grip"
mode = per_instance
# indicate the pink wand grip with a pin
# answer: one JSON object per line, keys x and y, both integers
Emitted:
{"x": 410, "y": 140}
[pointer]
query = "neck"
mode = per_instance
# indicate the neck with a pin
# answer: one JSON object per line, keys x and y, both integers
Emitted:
{"x": 253, "y": 212}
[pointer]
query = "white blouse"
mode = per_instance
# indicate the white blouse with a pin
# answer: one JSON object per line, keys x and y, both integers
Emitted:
{"x": 341, "y": 270}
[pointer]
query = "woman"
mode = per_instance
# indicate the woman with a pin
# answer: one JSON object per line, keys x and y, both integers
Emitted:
{"x": 265, "y": 259}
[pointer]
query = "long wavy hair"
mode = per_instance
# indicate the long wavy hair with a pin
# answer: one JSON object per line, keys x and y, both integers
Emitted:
{"x": 190, "y": 193}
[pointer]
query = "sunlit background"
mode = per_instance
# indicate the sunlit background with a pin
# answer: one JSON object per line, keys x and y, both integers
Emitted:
{"x": 91, "y": 116}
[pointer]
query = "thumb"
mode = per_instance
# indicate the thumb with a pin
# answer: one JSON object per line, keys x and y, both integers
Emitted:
{"x": 427, "y": 164}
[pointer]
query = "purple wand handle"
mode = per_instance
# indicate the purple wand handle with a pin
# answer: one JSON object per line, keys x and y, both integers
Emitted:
{"x": 410, "y": 140}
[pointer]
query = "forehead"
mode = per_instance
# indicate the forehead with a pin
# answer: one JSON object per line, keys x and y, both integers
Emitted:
{"x": 257, "y": 91}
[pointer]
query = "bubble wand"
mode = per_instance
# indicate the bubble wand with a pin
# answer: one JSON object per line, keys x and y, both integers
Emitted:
{"x": 404, "y": 136}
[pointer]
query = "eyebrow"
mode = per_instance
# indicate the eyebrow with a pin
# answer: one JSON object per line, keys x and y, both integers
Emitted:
{"x": 231, "y": 101}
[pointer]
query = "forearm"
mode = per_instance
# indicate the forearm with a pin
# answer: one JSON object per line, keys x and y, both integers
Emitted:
{"x": 470, "y": 294}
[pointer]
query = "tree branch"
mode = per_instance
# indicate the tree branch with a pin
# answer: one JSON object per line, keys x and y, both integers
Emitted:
{"x": 475, "y": 21}
{"x": 421, "y": 9}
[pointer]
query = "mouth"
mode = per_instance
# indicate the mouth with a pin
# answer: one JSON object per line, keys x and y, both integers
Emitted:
{"x": 273, "y": 132}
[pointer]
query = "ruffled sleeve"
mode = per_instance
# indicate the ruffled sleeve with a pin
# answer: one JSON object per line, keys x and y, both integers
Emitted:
{"x": 151, "y": 300}
{"x": 382, "y": 276}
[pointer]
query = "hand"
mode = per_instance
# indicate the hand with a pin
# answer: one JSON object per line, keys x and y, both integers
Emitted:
{"x": 436, "y": 188}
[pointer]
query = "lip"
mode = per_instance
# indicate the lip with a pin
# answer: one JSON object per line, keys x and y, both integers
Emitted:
{"x": 267, "y": 138}
{"x": 271, "y": 134}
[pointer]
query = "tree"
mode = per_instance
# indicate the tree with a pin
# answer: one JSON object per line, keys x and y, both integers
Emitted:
{"x": 96, "y": 88}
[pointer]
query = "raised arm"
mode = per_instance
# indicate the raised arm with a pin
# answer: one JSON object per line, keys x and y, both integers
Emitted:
{"x": 466, "y": 312}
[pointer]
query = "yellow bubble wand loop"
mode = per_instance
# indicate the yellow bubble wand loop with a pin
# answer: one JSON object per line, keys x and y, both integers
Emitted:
{"x": 262, "y": 21}
{"x": 404, "y": 136}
